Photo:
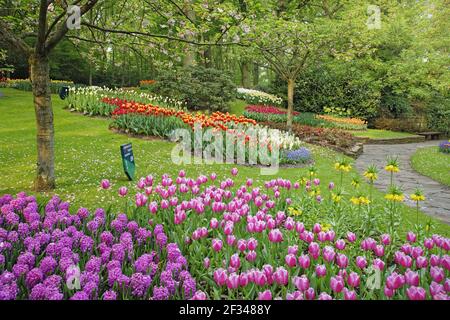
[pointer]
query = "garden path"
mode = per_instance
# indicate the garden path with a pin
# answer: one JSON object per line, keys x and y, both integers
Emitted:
{"x": 437, "y": 203}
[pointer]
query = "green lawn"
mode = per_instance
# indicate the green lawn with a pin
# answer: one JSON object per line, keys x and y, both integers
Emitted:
{"x": 381, "y": 134}
{"x": 87, "y": 151}
{"x": 432, "y": 163}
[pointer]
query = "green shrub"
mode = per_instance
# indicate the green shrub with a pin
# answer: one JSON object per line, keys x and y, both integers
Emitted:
{"x": 199, "y": 87}
{"x": 438, "y": 114}
{"x": 395, "y": 105}
{"x": 319, "y": 87}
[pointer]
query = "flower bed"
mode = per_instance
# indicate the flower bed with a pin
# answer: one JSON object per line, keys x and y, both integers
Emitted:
{"x": 258, "y": 97}
{"x": 444, "y": 146}
{"x": 337, "y": 139}
{"x": 25, "y": 84}
{"x": 345, "y": 123}
{"x": 282, "y": 240}
{"x": 53, "y": 255}
{"x": 97, "y": 101}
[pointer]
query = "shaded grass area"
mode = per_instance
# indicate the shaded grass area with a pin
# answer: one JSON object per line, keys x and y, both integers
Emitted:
{"x": 381, "y": 134}
{"x": 87, "y": 151}
{"x": 432, "y": 163}
{"x": 237, "y": 107}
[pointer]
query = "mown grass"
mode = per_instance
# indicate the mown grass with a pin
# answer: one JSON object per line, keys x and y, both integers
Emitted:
{"x": 381, "y": 134}
{"x": 86, "y": 151}
{"x": 432, "y": 163}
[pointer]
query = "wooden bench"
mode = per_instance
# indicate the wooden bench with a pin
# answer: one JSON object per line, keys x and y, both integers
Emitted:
{"x": 430, "y": 135}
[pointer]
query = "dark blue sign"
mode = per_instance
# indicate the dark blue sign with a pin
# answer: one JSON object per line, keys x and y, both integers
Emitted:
{"x": 129, "y": 166}
{"x": 63, "y": 92}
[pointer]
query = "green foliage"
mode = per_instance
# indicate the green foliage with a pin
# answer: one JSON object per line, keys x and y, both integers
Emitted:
{"x": 438, "y": 114}
{"x": 321, "y": 87}
{"x": 201, "y": 88}
{"x": 394, "y": 104}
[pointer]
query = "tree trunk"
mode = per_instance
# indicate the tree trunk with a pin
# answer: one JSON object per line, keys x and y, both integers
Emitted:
{"x": 45, "y": 179}
{"x": 291, "y": 84}
{"x": 245, "y": 71}
{"x": 255, "y": 75}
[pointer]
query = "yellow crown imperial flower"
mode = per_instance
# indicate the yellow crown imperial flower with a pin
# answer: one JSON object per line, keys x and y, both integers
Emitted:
{"x": 417, "y": 197}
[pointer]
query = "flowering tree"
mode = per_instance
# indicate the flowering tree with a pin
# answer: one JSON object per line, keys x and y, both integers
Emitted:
{"x": 47, "y": 22}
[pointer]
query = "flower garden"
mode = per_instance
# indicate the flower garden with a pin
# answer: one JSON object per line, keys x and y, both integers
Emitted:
{"x": 220, "y": 156}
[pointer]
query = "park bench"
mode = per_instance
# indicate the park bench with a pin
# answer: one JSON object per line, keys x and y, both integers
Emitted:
{"x": 434, "y": 135}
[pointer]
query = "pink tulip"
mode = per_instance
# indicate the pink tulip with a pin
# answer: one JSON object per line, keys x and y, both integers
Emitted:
{"x": 342, "y": 261}
{"x": 291, "y": 260}
{"x": 416, "y": 293}
{"x": 411, "y": 237}
{"x": 105, "y": 184}
{"x": 266, "y": 295}
{"x": 206, "y": 263}
{"x": 243, "y": 280}
{"x": 361, "y": 262}
{"x": 340, "y": 244}
{"x": 260, "y": 278}
{"x": 445, "y": 262}
{"x": 388, "y": 292}
{"x": 317, "y": 228}
{"x": 368, "y": 244}
{"x": 435, "y": 260}
{"x": 321, "y": 271}
{"x": 220, "y": 276}
{"x": 395, "y": 281}
{"x": 328, "y": 254}
{"x": 281, "y": 276}
{"x": 412, "y": 278}
{"x": 447, "y": 285}
{"x": 296, "y": 295}
{"x": 378, "y": 263}
{"x": 351, "y": 237}
{"x": 437, "y": 274}
{"x": 299, "y": 227}
{"x": 275, "y": 236}
{"x": 250, "y": 256}
{"x": 324, "y": 296}
{"x": 228, "y": 229}
{"x": 353, "y": 280}
{"x": 242, "y": 245}
{"x": 293, "y": 250}
{"x": 337, "y": 284}
{"x": 310, "y": 294}
{"x": 304, "y": 261}
{"x": 379, "y": 250}
{"x": 436, "y": 288}
{"x": 233, "y": 281}
{"x": 421, "y": 262}
{"x": 314, "y": 250}
{"x": 386, "y": 239}
{"x": 123, "y": 191}
{"x": 217, "y": 245}
{"x": 416, "y": 252}
{"x": 153, "y": 207}
{"x": 252, "y": 244}
{"x": 301, "y": 283}
{"x": 428, "y": 243}
{"x": 349, "y": 294}
{"x": 214, "y": 223}
{"x": 231, "y": 239}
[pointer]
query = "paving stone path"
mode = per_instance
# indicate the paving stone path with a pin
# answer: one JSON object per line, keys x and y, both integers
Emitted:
{"x": 437, "y": 203}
